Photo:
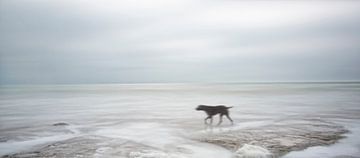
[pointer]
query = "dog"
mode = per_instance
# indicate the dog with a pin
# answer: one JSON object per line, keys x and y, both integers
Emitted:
{"x": 214, "y": 110}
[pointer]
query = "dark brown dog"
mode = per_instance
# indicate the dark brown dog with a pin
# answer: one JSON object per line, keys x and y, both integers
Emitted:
{"x": 214, "y": 110}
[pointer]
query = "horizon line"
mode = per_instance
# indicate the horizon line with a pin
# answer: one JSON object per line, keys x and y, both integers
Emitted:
{"x": 229, "y": 82}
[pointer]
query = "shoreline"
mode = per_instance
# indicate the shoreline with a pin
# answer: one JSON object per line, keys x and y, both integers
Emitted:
{"x": 279, "y": 138}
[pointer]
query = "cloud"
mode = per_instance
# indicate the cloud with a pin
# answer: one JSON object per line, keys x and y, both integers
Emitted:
{"x": 178, "y": 41}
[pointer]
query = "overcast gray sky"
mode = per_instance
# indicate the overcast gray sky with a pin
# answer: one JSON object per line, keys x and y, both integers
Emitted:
{"x": 131, "y": 41}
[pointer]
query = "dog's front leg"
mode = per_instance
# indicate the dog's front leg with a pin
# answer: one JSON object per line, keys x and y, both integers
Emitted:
{"x": 211, "y": 120}
{"x": 205, "y": 120}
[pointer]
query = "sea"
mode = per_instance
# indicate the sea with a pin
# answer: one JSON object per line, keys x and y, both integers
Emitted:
{"x": 288, "y": 120}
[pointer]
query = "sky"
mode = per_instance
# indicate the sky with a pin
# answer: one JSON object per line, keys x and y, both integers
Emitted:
{"x": 165, "y": 41}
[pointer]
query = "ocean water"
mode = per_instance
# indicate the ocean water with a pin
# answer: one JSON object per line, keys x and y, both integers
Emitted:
{"x": 300, "y": 120}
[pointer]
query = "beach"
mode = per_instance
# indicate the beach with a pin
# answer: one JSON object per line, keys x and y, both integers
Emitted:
{"x": 289, "y": 120}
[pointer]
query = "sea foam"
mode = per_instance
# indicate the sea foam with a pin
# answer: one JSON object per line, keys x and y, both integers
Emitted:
{"x": 252, "y": 151}
{"x": 153, "y": 154}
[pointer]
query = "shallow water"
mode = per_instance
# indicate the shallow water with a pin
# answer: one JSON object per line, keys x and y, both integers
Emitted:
{"x": 159, "y": 120}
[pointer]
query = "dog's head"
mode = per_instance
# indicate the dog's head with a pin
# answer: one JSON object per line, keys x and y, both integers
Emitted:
{"x": 201, "y": 107}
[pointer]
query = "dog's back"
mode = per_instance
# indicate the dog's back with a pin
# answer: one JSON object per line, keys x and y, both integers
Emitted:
{"x": 213, "y": 110}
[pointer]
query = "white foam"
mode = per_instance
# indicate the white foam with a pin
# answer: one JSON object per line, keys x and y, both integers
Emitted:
{"x": 73, "y": 129}
{"x": 200, "y": 150}
{"x": 102, "y": 152}
{"x": 252, "y": 151}
{"x": 153, "y": 154}
{"x": 16, "y": 146}
{"x": 153, "y": 134}
{"x": 166, "y": 140}
{"x": 11, "y": 146}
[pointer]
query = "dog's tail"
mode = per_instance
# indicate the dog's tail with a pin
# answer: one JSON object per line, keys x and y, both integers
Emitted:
{"x": 229, "y": 107}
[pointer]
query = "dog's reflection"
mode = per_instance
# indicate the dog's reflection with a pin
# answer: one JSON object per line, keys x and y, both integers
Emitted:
{"x": 212, "y": 129}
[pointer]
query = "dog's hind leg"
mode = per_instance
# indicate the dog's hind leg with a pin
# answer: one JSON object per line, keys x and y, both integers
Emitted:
{"x": 220, "y": 119}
